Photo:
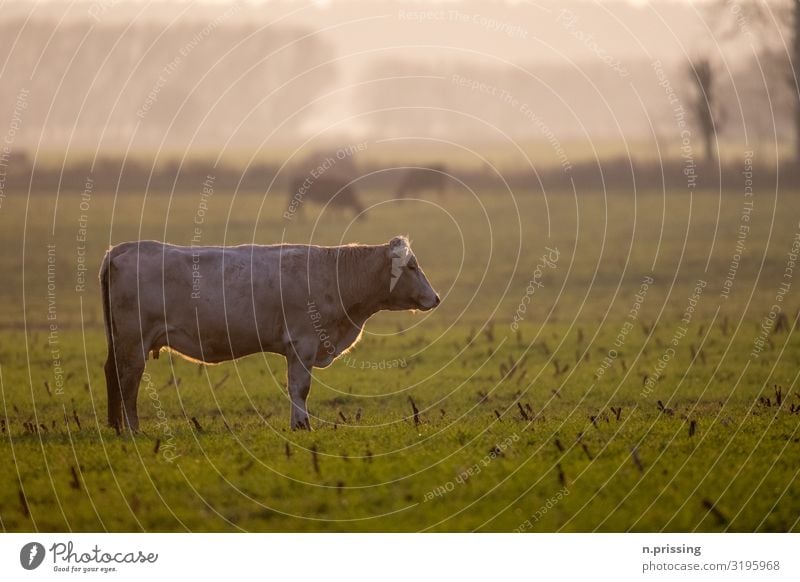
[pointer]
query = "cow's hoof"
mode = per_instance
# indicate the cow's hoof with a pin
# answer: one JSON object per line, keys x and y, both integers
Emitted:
{"x": 301, "y": 425}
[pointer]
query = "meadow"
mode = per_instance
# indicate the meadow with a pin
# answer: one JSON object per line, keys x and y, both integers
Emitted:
{"x": 601, "y": 361}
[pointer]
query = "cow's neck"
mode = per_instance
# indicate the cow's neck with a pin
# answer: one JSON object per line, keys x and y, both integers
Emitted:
{"x": 364, "y": 281}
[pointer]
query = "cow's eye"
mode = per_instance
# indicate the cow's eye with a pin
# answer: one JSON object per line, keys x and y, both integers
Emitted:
{"x": 412, "y": 267}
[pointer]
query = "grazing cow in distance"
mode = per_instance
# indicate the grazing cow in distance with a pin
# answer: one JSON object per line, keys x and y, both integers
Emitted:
{"x": 331, "y": 190}
{"x": 215, "y": 304}
{"x": 324, "y": 177}
{"x": 417, "y": 180}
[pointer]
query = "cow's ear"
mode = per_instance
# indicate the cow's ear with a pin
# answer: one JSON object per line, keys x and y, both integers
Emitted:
{"x": 398, "y": 241}
{"x": 395, "y": 247}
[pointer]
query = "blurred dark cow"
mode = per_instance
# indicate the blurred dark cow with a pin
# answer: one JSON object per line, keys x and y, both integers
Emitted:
{"x": 324, "y": 178}
{"x": 331, "y": 190}
{"x": 418, "y": 180}
{"x": 214, "y": 304}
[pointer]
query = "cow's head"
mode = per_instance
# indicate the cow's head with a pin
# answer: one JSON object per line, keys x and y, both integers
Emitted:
{"x": 408, "y": 286}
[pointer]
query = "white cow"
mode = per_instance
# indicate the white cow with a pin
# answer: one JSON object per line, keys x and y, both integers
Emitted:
{"x": 214, "y": 304}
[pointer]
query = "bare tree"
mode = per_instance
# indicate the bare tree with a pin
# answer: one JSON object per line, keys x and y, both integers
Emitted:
{"x": 765, "y": 24}
{"x": 704, "y": 104}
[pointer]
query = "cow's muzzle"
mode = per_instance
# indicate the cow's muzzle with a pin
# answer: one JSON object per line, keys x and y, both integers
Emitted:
{"x": 427, "y": 305}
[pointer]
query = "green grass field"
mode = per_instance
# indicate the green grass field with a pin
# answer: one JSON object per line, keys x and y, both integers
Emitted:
{"x": 582, "y": 417}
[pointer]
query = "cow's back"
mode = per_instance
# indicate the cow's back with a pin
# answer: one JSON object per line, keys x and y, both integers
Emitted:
{"x": 209, "y": 303}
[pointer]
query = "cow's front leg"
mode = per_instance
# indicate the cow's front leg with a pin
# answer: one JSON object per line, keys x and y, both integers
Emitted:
{"x": 300, "y": 360}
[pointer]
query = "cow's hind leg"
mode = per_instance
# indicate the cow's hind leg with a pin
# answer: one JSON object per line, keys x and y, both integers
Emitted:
{"x": 129, "y": 384}
{"x": 130, "y": 367}
{"x": 114, "y": 393}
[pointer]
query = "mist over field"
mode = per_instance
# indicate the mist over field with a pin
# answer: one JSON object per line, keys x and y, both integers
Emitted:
{"x": 223, "y": 78}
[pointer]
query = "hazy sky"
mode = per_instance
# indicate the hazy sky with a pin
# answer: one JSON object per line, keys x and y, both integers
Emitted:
{"x": 592, "y": 60}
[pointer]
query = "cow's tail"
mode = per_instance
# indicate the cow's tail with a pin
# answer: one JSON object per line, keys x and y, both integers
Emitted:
{"x": 112, "y": 377}
{"x": 105, "y": 288}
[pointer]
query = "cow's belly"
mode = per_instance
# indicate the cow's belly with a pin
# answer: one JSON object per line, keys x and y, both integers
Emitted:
{"x": 214, "y": 334}
{"x": 213, "y": 348}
